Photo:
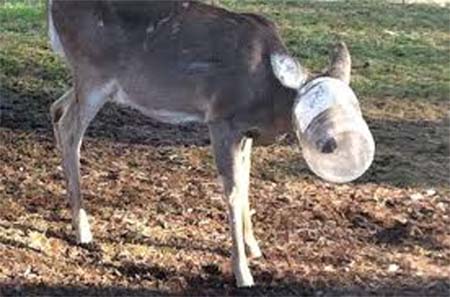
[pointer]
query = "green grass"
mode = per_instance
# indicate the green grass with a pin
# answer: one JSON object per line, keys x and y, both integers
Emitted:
{"x": 28, "y": 67}
{"x": 400, "y": 52}
{"x": 22, "y": 17}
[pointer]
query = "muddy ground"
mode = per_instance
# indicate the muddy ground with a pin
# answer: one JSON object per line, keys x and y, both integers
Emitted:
{"x": 160, "y": 224}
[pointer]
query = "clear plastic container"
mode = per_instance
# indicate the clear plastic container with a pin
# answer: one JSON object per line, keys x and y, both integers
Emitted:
{"x": 336, "y": 141}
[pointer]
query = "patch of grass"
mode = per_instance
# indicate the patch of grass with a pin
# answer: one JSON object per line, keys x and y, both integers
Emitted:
{"x": 27, "y": 65}
{"x": 22, "y": 17}
{"x": 29, "y": 68}
{"x": 400, "y": 52}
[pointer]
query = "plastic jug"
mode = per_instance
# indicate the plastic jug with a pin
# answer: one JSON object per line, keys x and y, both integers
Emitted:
{"x": 336, "y": 141}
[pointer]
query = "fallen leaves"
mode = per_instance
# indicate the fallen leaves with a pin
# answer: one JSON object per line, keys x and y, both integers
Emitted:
{"x": 159, "y": 222}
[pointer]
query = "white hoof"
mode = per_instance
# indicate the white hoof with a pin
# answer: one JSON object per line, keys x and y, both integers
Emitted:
{"x": 82, "y": 229}
{"x": 245, "y": 282}
{"x": 254, "y": 251}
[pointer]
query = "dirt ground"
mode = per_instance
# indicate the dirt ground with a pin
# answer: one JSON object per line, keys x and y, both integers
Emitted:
{"x": 160, "y": 224}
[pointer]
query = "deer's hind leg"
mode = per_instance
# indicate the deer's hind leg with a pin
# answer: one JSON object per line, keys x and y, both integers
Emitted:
{"x": 71, "y": 115}
{"x": 57, "y": 111}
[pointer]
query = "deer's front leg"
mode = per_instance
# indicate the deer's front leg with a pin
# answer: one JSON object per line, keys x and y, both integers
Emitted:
{"x": 232, "y": 152}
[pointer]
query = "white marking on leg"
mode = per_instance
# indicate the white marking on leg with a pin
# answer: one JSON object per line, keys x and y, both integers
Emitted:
{"x": 239, "y": 260}
{"x": 70, "y": 129}
{"x": 228, "y": 154}
{"x": 236, "y": 194}
{"x": 249, "y": 238}
{"x": 82, "y": 228}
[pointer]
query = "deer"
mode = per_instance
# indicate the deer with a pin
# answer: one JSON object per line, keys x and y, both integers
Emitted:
{"x": 179, "y": 62}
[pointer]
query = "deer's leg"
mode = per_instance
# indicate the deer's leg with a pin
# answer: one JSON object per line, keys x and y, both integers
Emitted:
{"x": 230, "y": 152}
{"x": 57, "y": 110}
{"x": 249, "y": 237}
{"x": 71, "y": 115}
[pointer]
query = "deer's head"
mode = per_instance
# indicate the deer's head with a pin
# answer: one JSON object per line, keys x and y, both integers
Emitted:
{"x": 326, "y": 116}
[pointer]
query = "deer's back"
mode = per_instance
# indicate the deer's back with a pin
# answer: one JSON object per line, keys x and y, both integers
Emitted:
{"x": 181, "y": 56}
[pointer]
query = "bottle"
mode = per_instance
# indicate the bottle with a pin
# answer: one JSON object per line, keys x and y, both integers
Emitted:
{"x": 335, "y": 140}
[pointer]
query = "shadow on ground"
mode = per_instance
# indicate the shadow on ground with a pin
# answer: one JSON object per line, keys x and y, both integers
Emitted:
{"x": 214, "y": 286}
{"x": 212, "y": 281}
{"x": 408, "y": 153}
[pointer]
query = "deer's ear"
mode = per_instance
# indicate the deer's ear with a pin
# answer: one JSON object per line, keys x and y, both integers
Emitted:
{"x": 288, "y": 70}
{"x": 340, "y": 62}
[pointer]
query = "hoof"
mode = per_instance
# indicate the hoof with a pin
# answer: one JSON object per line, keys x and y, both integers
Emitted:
{"x": 246, "y": 282}
{"x": 253, "y": 250}
{"x": 244, "y": 278}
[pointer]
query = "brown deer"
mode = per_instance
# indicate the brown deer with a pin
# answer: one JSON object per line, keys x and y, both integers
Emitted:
{"x": 179, "y": 61}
